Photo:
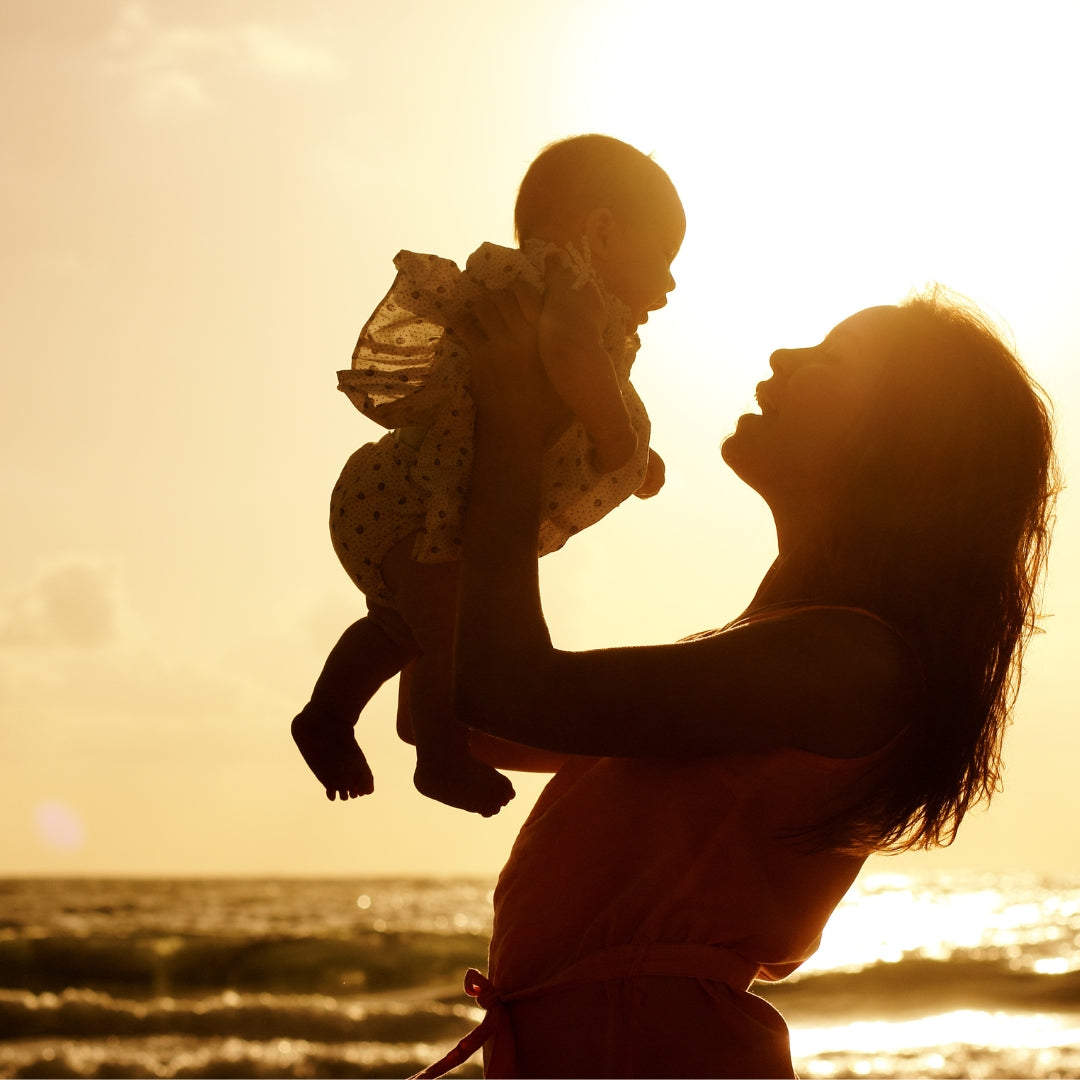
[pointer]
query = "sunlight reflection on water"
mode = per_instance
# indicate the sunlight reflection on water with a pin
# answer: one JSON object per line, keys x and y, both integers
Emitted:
{"x": 968, "y": 1043}
{"x": 968, "y": 1027}
{"x": 888, "y": 917}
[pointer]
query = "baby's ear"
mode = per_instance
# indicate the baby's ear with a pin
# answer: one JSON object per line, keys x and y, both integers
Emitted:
{"x": 600, "y": 230}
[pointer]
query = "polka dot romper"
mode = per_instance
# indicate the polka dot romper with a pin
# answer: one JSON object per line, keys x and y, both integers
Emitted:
{"x": 411, "y": 373}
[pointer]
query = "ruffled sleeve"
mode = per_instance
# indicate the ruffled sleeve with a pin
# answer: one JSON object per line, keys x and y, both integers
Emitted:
{"x": 395, "y": 375}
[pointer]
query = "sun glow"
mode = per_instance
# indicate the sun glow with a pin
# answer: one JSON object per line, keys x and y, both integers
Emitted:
{"x": 801, "y": 184}
{"x": 213, "y": 201}
{"x": 59, "y": 827}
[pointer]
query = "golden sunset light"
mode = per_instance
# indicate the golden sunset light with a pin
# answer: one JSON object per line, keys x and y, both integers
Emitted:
{"x": 201, "y": 207}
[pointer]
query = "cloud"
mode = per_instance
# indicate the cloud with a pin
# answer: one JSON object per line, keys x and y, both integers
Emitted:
{"x": 79, "y": 668}
{"x": 75, "y": 604}
{"x": 158, "y": 62}
{"x": 132, "y": 706}
{"x": 92, "y": 692}
{"x": 279, "y": 54}
{"x": 171, "y": 67}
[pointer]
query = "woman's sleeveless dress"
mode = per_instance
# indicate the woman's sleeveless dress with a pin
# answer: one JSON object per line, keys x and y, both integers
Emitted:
{"x": 641, "y": 899}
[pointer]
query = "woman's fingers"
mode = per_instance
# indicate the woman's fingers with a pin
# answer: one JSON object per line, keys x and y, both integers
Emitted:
{"x": 502, "y": 330}
{"x": 509, "y": 314}
{"x": 507, "y": 373}
{"x": 529, "y": 300}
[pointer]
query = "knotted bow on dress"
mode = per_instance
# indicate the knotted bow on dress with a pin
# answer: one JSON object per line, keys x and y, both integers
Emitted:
{"x": 711, "y": 963}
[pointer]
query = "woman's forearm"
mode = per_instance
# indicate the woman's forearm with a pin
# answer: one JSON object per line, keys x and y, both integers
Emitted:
{"x": 512, "y": 757}
{"x": 501, "y": 631}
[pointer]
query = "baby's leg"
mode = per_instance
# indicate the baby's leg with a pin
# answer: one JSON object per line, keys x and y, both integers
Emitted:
{"x": 426, "y": 596}
{"x": 370, "y": 652}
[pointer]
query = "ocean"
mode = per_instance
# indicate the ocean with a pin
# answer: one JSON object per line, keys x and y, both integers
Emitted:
{"x": 959, "y": 976}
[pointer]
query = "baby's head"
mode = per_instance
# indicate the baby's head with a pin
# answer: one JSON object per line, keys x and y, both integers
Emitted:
{"x": 605, "y": 190}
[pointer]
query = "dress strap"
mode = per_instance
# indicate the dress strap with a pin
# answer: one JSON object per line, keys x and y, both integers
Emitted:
{"x": 791, "y": 607}
{"x": 711, "y": 963}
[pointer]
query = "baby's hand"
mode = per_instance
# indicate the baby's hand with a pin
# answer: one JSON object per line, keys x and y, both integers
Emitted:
{"x": 653, "y": 480}
{"x": 614, "y": 449}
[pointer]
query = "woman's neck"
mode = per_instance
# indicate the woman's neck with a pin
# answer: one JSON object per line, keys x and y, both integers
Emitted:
{"x": 799, "y": 575}
{"x": 802, "y": 570}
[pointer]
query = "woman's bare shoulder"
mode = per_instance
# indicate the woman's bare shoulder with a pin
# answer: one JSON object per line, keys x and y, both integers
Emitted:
{"x": 835, "y": 680}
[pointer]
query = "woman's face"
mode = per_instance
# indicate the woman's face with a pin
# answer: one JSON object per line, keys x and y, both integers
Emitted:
{"x": 811, "y": 409}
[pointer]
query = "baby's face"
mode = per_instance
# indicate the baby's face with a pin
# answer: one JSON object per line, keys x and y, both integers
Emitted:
{"x": 636, "y": 264}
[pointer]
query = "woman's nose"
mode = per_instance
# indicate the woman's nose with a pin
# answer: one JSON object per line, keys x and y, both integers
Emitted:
{"x": 784, "y": 360}
{"x": 780, "y": 360}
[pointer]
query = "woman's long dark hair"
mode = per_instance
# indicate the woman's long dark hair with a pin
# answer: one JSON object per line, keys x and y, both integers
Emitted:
{"x": 941, "y": 525}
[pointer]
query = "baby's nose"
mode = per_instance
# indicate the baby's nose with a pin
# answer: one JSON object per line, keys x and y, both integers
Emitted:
{"x": 662, "y": 299}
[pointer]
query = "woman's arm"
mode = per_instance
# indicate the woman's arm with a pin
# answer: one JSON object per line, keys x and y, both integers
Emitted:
{"x": 513, "y": 757}
{"x": 830, "y": 681}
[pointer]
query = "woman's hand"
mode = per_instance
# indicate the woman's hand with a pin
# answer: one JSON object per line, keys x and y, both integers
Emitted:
{"x": 508, "y": 381}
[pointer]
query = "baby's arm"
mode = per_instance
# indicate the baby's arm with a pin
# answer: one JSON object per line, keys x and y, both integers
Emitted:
{"x": 570, "y": 328}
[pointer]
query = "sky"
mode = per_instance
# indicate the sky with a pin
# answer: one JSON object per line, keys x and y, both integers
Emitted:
{"x": 200, "y": 201}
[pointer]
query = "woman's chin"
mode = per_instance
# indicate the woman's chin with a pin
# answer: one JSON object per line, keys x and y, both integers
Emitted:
{"x": 742, "y": 450}
{"x": 744, "y": 428}
{"x": 730, "y": 450}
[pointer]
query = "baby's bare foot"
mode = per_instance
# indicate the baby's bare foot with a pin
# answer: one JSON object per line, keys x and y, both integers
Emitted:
{"x": 332, "y": 754}
{"x": 463, "y": 782}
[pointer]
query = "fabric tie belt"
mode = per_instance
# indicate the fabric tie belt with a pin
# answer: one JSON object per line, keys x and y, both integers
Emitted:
{"x": 712, "y": 963}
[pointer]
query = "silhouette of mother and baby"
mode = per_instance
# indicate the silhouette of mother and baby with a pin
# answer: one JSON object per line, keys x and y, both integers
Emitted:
{"x": 712, "y": 799}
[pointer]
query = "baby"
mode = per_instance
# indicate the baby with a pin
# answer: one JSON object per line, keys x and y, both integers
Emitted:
{"x": 598, "y": 224}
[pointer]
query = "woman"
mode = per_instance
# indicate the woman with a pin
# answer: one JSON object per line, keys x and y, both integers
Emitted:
{"x": 721, "y": 793}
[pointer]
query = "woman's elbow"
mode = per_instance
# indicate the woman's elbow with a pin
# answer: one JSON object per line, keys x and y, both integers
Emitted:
{"x": 491, "y": 699}
{"x": 475, "y": 692}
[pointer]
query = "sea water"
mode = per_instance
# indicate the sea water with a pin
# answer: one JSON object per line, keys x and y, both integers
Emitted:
{"x": 972, "y": 976}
